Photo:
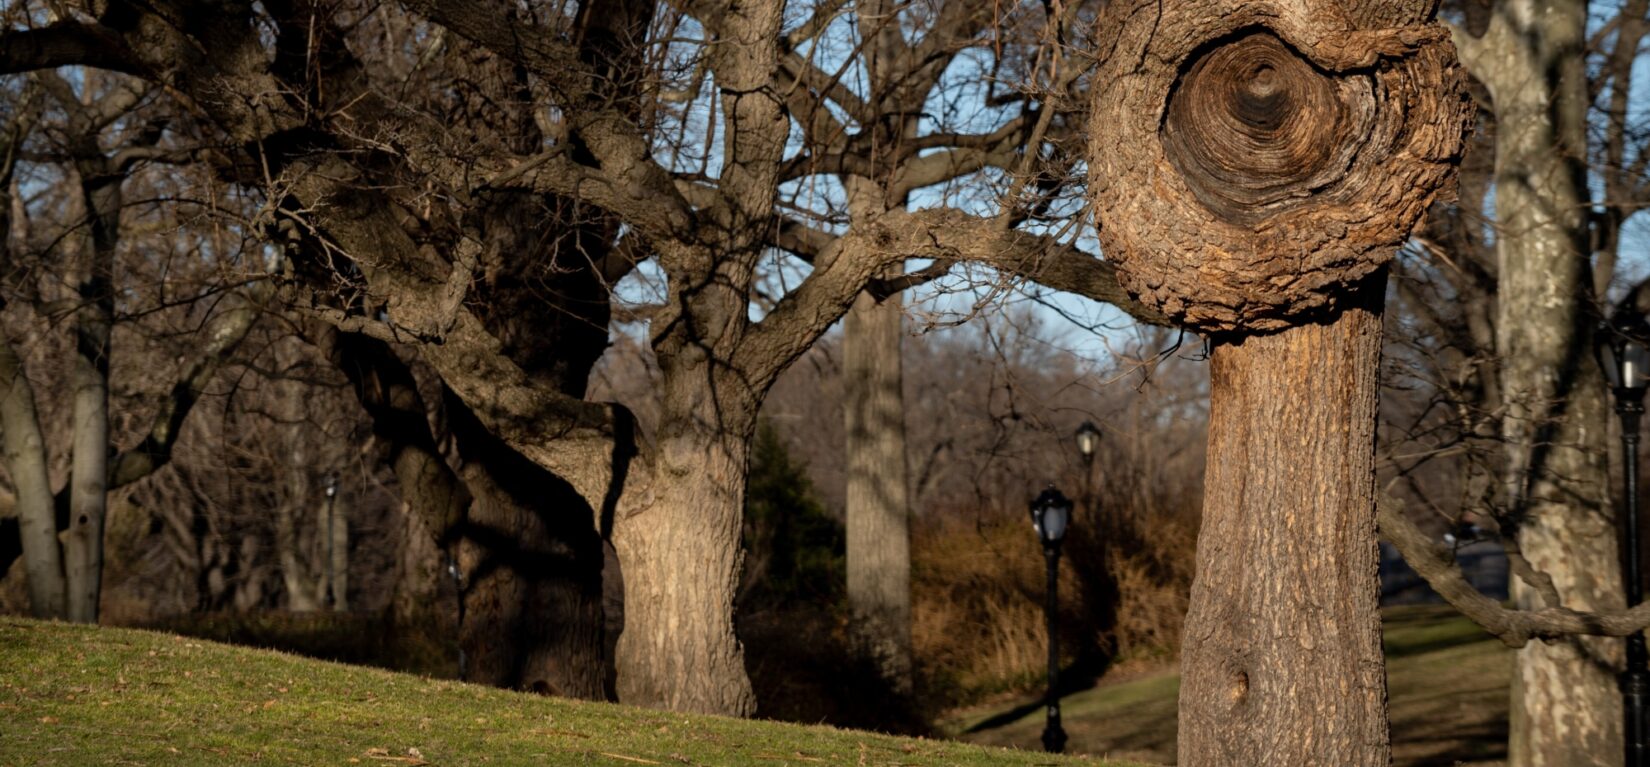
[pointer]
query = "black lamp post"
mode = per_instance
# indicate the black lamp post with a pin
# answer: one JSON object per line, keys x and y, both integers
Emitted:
{"x": 1624, "y": 351}
{"x": 1050, "y": 514}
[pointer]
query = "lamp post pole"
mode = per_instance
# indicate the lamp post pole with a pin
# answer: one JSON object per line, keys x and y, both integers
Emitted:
{"x": 1051, "y": 515}
{"x": 332, "y": 496}
{"x": 1054, "y": 736}
{"x": 1624, "y": 356}
{"x": 1635, "y": 681}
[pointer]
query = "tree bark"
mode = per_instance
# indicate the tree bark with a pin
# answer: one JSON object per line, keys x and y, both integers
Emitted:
{"x": 25, "y": 447}
{"x": 1565, "y": 708}
{"x": 89, "y": 379}
{"x": 337, "y": 553}
{"x": 1281, "y": 663}
{"x": 532, "y": 565}
{"x": 681, "y": 557}
{"x": 878, "y": 534}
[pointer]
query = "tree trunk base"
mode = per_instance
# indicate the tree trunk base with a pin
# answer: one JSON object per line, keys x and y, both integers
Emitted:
{"x": 1282, "y": 663}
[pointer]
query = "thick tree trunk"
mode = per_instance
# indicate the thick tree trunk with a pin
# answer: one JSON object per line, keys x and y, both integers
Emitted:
{"x": 879, "y": 536}
{"x": 532, "y": 562}
{"x": 25, "y": 448}
{"x": 1281, "y": 663}
{"x": 681, "y": 558}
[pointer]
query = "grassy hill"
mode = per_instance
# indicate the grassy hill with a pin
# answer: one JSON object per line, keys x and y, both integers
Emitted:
{"x": 79, "y": 695}
{"x": 1447, "y": 681}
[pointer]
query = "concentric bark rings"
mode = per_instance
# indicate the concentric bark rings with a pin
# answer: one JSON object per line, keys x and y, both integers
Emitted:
{"x": 1248, "y": 164}
{"x": 1253, "y": 127}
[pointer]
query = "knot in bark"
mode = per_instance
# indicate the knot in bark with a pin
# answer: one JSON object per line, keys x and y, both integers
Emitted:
{"x": 1250, "y": 166}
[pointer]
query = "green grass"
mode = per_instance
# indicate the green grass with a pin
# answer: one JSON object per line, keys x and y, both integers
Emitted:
{"x": 78, "y": 695}
{"x": 1447, "y": 681}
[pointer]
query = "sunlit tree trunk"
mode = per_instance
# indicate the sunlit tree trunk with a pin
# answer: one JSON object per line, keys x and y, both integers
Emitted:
{"x": 1281, "y": 656}
{"x": 1254, "y": 166}
{"x": 1566, "y": 709}
{"x": 89, "y": 390}
{"x": 878, "y": 527}
{"x": 25, "y": 450}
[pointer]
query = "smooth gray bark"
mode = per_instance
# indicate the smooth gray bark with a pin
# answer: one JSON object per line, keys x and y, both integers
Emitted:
{"x": 25, "y": 449}
{"x": 1565, "y": 709}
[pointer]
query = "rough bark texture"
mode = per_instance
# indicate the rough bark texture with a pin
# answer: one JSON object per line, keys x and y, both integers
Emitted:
{"x": 1267, "y": 155}
{"x": 879, "y": 534}
{"x": 1281, "y": 660}
{"x": 681, "y": 559}
{"x": 1566, "y": 709}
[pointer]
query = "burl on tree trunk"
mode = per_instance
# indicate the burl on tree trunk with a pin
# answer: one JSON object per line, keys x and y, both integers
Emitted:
{"x": 1254, "y": 166}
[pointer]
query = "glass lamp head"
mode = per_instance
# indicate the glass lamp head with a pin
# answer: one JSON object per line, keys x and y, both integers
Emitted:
{"x": 1088, "y": 439}
{"x": 1051, "y": 515}
{"x": 1624, "y": 353}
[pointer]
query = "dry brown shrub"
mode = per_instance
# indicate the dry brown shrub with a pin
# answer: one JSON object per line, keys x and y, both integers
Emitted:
{"x": 976, "y": 606}
{"x": 1154, "y": 582}
{"x": 977, "y": 601}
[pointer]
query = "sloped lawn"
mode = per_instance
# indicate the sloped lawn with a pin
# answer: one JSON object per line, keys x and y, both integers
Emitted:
{"x": 76, "y": 695}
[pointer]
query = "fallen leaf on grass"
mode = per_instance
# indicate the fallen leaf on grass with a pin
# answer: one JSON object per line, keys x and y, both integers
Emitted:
{"x": 635, "y": 759}
{"x": 383, "y": 755}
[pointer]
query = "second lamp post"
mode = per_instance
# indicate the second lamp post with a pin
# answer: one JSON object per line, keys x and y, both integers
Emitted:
{"x": 1050, "y": 513}
{"x": 1624, "y": 349}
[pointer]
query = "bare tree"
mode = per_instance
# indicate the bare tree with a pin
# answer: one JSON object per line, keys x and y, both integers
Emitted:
{"x": 72, "y": 134}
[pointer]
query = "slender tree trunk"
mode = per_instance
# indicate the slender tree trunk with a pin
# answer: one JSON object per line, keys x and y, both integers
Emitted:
{"x": 25, "y": 448}
{"x": 879, "y": 536}
{"x": 1281, "y": 663}
{"x": 338, "y": 552}
{"x": 302, "y": 594}
{"x": 89, "y": 382}
{"x": 681, "y": 558}
{"x": 1565, "y": 708}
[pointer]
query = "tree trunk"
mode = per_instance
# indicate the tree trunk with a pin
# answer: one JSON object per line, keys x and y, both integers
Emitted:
{"x": 532, "y": 561}
{"x": 302, "y": 594}
{"x": 338, "y": 553}
{"x": 89, "y": 379}
{"x": 1281, "y": 663}
{"x": 1565, "y": 708}
{"x": 25, "y": 448}
{"x": 879, "y": 535}
{"x": 681, "y": 559}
